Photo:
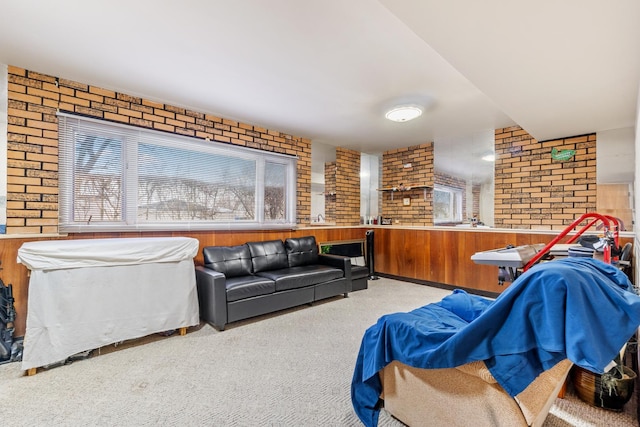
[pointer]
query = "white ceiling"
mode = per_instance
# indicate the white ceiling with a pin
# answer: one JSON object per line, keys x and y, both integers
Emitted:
{"x": 327, "y": 70}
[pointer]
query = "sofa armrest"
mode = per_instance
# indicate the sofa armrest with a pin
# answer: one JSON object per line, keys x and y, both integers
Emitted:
{"x": 212, "y": 296}
{"x": 337, "y": 261}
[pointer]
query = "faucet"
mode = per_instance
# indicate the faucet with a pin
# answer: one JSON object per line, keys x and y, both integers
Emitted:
{"x": 320, "y": 216}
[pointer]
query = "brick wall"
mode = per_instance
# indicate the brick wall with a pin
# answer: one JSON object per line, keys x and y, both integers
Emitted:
{"x": 421, "y": 172}
{"x": 32, "y": 154}
{"x": 534, "y": 191}
{"x": 347, "y": 187}
{"x": 330, "y": 191}
{"x": 475, "y": 208}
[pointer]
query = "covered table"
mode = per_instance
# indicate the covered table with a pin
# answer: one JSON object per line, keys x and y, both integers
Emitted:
{"x": 84, "y": 294}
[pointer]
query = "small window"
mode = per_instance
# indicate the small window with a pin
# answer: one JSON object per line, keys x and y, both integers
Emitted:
{"x": 119, "y": 178}
{"x": 447, "y": 204}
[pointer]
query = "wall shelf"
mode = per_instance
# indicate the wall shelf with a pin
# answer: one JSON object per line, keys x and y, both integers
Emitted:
{"x": 406, "y": 188}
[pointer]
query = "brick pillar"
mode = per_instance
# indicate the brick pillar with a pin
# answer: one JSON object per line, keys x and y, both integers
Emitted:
{"x": 347, "y": 187}
{"x": 420, "y": 173}
{"x": 302, "y": 147}
{"x": 330, "y": 191}
{"x": 475, "y": 205}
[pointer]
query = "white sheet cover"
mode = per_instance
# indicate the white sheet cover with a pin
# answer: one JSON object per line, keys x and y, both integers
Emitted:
{"x": 58, "y": 254}
{"x": 82, "y": 298}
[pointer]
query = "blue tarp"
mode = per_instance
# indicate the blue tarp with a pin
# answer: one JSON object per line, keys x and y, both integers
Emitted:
{"x": 576, "y": 308}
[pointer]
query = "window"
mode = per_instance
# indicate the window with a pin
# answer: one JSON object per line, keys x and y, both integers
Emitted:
{"x": 121, "y": 178}
{"x": 447, "y": 204}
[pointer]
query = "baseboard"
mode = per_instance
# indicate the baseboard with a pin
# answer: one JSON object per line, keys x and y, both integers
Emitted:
{"x": 480, "y": 292}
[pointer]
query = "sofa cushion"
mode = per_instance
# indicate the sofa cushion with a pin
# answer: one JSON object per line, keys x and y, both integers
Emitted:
{"x": 232, "y": 261}
{"x": 248, "y": 286}
{"x": 301, "y": 276}
{"x": 269, "y": 255}
{"x": 301, "y": 251}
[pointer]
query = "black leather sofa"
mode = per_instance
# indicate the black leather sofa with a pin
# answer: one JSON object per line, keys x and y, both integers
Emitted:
{"x": 351, "y": 249}
{"x": 238, "y": 282}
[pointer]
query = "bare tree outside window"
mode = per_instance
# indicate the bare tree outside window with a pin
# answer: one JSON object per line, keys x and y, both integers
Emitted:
{"x": 171, "y": 188}
{"x": 274, "y": 191}
{"x": 98, "y": 179}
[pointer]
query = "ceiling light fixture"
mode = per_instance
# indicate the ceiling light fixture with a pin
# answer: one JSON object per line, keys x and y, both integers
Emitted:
{"x": 489, "y": 157}
{"x": 404, "y": 113}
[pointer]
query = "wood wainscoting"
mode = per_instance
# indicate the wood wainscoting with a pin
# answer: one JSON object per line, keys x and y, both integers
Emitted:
{"x": 444, "y": 256}
{"x": 18, "y": 275}
{"x": 420, "y": 254}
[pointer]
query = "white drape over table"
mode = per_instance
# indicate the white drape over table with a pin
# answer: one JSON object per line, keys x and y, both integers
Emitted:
{"x": 87, "y": 293}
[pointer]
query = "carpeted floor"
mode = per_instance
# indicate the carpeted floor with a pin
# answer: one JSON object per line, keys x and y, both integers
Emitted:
{"x": 293, "y": 368}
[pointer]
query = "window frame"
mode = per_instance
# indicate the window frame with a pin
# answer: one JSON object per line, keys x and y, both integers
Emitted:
{"x": 132, "y": 137}
{"x": 455, "y": 204}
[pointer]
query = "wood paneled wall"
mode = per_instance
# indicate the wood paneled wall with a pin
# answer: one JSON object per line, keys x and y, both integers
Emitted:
{"x": 18, "y": 275}
{"x": 442, "y": 256}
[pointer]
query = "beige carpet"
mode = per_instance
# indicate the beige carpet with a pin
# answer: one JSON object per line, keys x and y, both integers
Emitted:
{"x": 289, "y": 369}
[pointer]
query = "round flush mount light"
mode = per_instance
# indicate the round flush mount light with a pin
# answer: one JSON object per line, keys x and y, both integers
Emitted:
{"x": 404, "y": 113}
{"x": 489, "y": 157}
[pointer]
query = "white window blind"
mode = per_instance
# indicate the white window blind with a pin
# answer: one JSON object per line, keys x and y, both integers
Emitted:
{"x": 119, "y": 178}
